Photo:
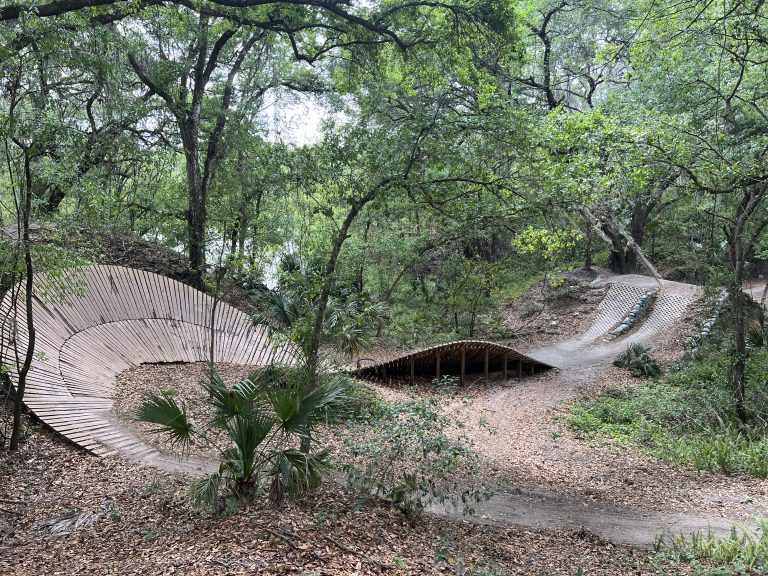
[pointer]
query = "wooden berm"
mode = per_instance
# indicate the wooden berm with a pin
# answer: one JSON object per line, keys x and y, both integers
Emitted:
{"x": 460, "y": 358}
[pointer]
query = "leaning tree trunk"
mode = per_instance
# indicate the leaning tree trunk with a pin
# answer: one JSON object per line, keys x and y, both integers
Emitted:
{"x": 313, "y": 347}
{"x": 624, "y": 258}
{"x": 613, "y": 231}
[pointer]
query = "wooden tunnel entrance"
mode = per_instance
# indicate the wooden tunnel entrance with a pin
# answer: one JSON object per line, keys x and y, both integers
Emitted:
{"x": 461, "y": 358}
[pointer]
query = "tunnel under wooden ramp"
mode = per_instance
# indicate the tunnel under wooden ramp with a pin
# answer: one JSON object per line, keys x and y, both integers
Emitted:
{"x": 462, "y": 358}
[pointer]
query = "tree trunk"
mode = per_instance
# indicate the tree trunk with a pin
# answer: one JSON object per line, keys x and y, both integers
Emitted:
{"x": 313, "y": 348}
{"x": 233, "y": 238}
{"x": 613, "y": 231}
{"x": 740, "y": 340}
{"x": 196, "y": 216}
{"x": 618, "y": 261}
{"x": 624, "y": 260}
{"x": 21, "y": 383}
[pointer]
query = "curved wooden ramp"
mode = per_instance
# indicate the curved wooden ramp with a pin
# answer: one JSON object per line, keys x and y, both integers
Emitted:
{"x": 459, "y": 358}
{"x": 96, "y": 321}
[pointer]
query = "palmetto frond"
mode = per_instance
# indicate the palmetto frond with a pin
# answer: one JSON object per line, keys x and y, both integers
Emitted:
{"x": 297, "y": 407}
{"x": 227, "y": 403}
{"x": 756, "y": 339}
{"x": 261, "y": 415}
{"x": 296, "y": 472}
{"x": 170, "y": 417}
{"x": 205, "y": 491}
{"x": 279, "y": 310}
{"x": 247, "y": 433}
{"x": 328, "y": 397}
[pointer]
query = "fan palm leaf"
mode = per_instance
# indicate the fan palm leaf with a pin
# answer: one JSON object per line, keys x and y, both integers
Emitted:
{"x": 297, "y": 472}
{"x": 205, "y": 491}
{"x": 170, "y": 417}
{"x": 227, "y": 403}
{"x": 247, "y": 433}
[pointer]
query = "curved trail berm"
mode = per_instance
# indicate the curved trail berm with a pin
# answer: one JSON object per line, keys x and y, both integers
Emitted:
{"x": 611, "y": 491}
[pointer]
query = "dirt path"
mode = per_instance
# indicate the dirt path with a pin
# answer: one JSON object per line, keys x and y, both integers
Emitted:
{"x": 552, "y": 480}
{"x": 620, "y": 525}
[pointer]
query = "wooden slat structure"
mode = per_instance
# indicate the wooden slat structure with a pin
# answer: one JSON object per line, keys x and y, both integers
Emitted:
{"x": 94, "y": 322}
{"x": 460, "y": 358}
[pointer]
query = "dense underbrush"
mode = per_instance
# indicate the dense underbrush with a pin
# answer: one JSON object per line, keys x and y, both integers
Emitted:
{"x": 688, "y": 415}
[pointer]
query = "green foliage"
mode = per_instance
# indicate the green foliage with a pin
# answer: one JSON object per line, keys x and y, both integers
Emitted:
{"x": 290, "y": 309}
{"x": 740, "y": 552}
{"x": 637, "y": 359}
{"x": 549, "y": 245}
{"x": 456, "y": 306}
{"x": 414, "y": 457}
{"x": 263, "y": 418}
{"x": 169, "y": 416}
{"x": 728, "y": 451}
{"x": 757, "y": 337}
{"x": 688, "y": 416}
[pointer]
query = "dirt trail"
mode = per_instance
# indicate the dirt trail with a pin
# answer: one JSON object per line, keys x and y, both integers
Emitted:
{"x": 617, "y": 524}
{"x": 552, "y": 480}
{"x": 555, "y": 481}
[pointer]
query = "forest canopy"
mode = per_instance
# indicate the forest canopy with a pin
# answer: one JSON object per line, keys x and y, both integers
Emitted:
{"x": 449, "y": 151}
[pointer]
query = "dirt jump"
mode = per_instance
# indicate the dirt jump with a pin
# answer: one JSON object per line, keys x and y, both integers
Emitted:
{"x": 557, "y": 482}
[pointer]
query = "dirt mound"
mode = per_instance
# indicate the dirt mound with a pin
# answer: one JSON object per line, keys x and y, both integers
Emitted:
{"x": 124, "y": 250}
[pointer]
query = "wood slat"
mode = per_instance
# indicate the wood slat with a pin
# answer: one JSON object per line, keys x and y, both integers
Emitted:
{"x": 434, "y": 361}
{"x": 123, "y": 318}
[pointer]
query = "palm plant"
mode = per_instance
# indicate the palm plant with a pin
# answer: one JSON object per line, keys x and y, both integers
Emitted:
{"x": 638, "y": 360}
{"x": 263, "y": 418}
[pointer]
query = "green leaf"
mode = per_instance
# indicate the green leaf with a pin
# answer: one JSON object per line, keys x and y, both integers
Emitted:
{"x": 171, "y": 418}
{"x": 205, "y": 490}
{"x": 227, "y": 403}
{"x": 247, "y": 433}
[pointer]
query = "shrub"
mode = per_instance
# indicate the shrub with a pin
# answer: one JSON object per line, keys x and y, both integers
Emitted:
{"x": 263, "y": 418}
{"x": 637, "y": 359}
{"x": 688, "y": 416}
{"x": 404, "y": 454}
{"x": 740, "y": 552}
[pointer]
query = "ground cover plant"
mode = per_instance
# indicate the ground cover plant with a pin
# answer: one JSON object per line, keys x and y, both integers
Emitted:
{"x": 638, "y": 360}
{"x": 415, "y": 457}
{"x": 688, "y": 415}
{"x": 742, "y": 551}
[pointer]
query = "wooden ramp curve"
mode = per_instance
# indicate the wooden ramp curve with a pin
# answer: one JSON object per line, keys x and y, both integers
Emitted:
{"x": 458, "y": 358}
{"x": 94, "y": 322}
